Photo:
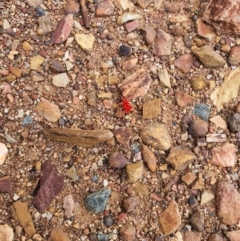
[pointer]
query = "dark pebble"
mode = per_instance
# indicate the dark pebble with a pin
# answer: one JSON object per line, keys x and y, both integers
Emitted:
{"x": 234, "y": 122}
{"x": 71, "y": 121}
{"x": 108, "y": 221}
{"x": 57, "y": 66}
{"x": 92, "y": 237}
{"x": 39, "y": 11}
{"x": 192, "y": 201}
{"x": 61, "y": 121}
{"x": 27, "y": 120}
{"x": 125, "y": 51}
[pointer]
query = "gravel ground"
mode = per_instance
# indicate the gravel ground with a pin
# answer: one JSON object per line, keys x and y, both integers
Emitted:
{"x": 120, "y": 125}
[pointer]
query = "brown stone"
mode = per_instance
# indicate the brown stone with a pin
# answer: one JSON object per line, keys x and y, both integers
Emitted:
{"x": 16, "y": 71}
{"x": 149, "y": 158}
{"x": 62, "y": 30}
{"x": 215, "y": 237}
{"x": 58, "y": 234}
{"x": 180, "y": 157}
{"x": 163, "y": 43}
{"x": 183, "y": 99}
{"x": 198, "y": 83}
{"x": 22, "y": 215}
{"x": 204, "y": 30}
{"x": 45, "y": 25}
{"x": 72, "y": 7}
{"x": 50, "y": 185}
{"x": 197, "y": 221}
{"x": 84, "y": 138}
{"x": 104, "y": 8}
{"x": 227, "y": 203}
{"x": 49, "y": 111}
{"x": 134, "y": 171}
{"x": 198, "y": 128}
{"x": 233, "y": 235}
{"x": 136, "y": 84}
{"x": 123, "y": 135}
{"x": 223, "y": 15}
{"x": 130, "y": 203}
{"x": 184, "y": 63}
{"x": 170, "y": 219}
{"x": 117, "y": 160}
{"x": 192, "y": 236}
{"x": 151, "y": 109}
{"x": 144, "y": 3}
{"x": 129, "y": 64}
{"x": 5, "y": 184}
{"x": 149, "y": 34}
{"x": 57, "y": 66}
{"x": 128, "y": 232}
{"x": 188, "y": 178}
{"x": 234, "y": 54}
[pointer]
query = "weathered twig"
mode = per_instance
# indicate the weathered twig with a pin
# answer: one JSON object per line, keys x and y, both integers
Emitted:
{"x": 84, "y": 13}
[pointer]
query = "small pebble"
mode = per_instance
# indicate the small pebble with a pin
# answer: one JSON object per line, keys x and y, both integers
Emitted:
{"x": 108, "y": 221}
{"x": 125, "y": 51}
{"x": 61, "y": 121}
{"x": 39, "y": 11}
{"x": 27, "y": 120}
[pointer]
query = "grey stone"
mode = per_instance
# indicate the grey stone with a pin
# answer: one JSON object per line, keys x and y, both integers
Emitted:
{"x": 96, "y": 202}
{"x": 202, "y": 111}
{"x": 102, "y": 237}
{"x": 234, "y": 122}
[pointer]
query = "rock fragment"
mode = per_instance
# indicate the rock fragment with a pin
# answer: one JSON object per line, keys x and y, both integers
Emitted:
{"x": 22, "y": 215}
{"x": 124, "y": 5}
{"x": 134, "y": 171}
{"x": 157, "y": 136}
{"x": 180, "y": 157}
{"x": 45, "y": 25}
{"x": 130, "y": 203}
{"x": 128, "y": 232}
{"x": 131, "y": 26}
{"x": 123, "y": 135}
{"x": 84, "y": 138}
{"x": 68, "y": 205}
{"x": 57, "y": 66}
{"x": 215, "y": 237}
{"x": 58, "y": 234}
{"x": 170, "y": 219}
{"x": 219, "y": 122}
{"x": 163, "y": 43}
{"x": 136, "y": 84}
{"x": 234, "y": 122}
{"x": 104, "y": 8}
{"x": 228, "y": 89}
{"x": 16, "y": 71}
{"x": 202, "y": 111}
{"x": 164, "y": 78}
{"x": 50, "y": 185}
{"x": 85, "y": 41}
{"x": 6, "y": 233}
{"x": 63, "y": 30}
{"x": 204, "y": 30}
{"x": 5, "y": 185}
{"x": 206, "y": 197}
{"x": 224, "y": 156}
{"x": 171, "y": 7}
{"x": 184, "y": 63}
{"x": 125, "y": 50}
{"x": 117, "y": 160}
{"x": 127, "y": 17}
{"x": 149, "y": 34}
{"x": 197, "y": 221}
{"x": 233, "y": 235}
{"x": 36, "y": 62}
{"x": 34, "y": 3}
{"x": 198, "y": 128}
{"x": 151, "y": 109}
{"x": 96, "y": 202}
{"x": 61, "y": 80}
{"x": 192, "y": 236}
{"x": 144, "y": 3}
{"x": 129, "y": 64}
{"x": 227, "y": 203}
{"x": 149, "y": 158}
{"x": 188, "y": 178}
{"x": 72, "y": 7}
{"x": 208, "y": 57}
{"x": 198, "y": 83}
{"x": 183, "y": 99}
{"x": 49, "y": 111}
{"x": 3, "y": 153}
{"x": 233, "y": 58}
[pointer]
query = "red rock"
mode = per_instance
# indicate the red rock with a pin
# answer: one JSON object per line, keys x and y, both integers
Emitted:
{"x": 105, "y": 8}
{"x": 131, "y": 26}
{"x": 198, "y": 128}
{"x": 224, "y": 156}
{"x": 192, "y": 236}
{"x": 184, "y": 63}
{"x": 227, "y": 203}
{"x": 128, "y": 232}
{"x": 149, "y": 34}
{"x": 5, "y": 184}
{"x": 50, "y": 185}
{"x": 62, "y": 30}
{"x": 183, "y": 99}
{"x": 130, "y": 203}
{"x": 72, "y": 7}
{"x": 223, "y": 15}
{"x": 234, "y": 54}
{"x": 163, "y": 43}
{"x": 117, "y": 160}
{"x": 129, "y": 64}
{"x": 122, "y": 216}
{"x": 204, "y": 30}
{"x": 233, "y": 235}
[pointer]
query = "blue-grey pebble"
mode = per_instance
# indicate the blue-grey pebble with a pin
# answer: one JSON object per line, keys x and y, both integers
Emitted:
{"x": 40, "y": 11}
{"x": 27, "y": 120}
{"x": 202, "y": 111}
{"x": 96, "y": 202}
{"x": 102, "y": 237}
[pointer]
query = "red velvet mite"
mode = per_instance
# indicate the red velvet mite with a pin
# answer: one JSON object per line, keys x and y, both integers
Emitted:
{"x": 126, "y": 106}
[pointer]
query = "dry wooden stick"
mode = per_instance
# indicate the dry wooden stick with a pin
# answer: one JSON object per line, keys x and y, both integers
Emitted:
{"x": 84, "y": 13}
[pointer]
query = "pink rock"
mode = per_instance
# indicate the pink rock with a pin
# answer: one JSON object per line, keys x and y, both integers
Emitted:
{"x": 204, "y": 30}
{"x": 5, "y": 184}
{"x": 227, "y": 203}
{"x": 68, "y": 205}
{"x": 219, "y": 122}
{"x": 131, "y": 26}
{"x": 224, "y": 15}
{"x": 233, "y": 235}
{"x": 163, "y": 43}
{"x": 184, "y": 63}
{"x": 62, "y": 30}
{"x": 6, "y": 88}
{"x": 224, "y": 156}
{"x": 105, "y": 8}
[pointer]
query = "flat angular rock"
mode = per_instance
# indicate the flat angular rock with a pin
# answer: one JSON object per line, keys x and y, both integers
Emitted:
{"x": 202, "y": 111}
{"x": 34, "y": 3}
{"x": 68, "y": 205}
{"x": 36, "y": 62}
{"x": 48, "y": 110}
{"x": 228, "y": 89}
{"x": 131, "y": 26}
{"x": 149, "y": 34}
{"x": 208, "y": 57}
{"x": 129, "y": 64}
{"x": 227, "y": 203}
{"x": 183, "y": 99}
{"x": 22, "y": 215}
{"x": 233, "y": 235}
{"x": 6, "y": 233}
{"x": 104, "y": 8}
{"x": 117, "y": 160}
{"x": 136, "y": 84}
{"x": 189, "y": 178}
{"x": 130, "y": 203}
{"x": 157, "y": 136}
{"x": 50, "y": 185}
{"x": 63, "y": 30}
{"x": 96, "y": 202}
{"x": 58, "y": 234}
{"x": 57, "y": 66}
{"x": 84, "y": 138}
{"x": 219, "y": 122}
{"x": 85, "y": 41}
{"x": 144, "y": 3}
{"x": 123, "y": 135}
{"x": 163, "y": 43}
{"x": 192, "y": 236}
{"x": 149, "y": 158}
{"x": 198, "y": 83}
{"x": 170, "y": 219}
{"x": 204, "y": 30}
{"x": 180, "y": 157}
{"x": 224, "y": 156}
{"x": 61, "y": 80}
{"x": 184, "y": 63}
{"x": 16, "y": 71}
{"x": 223, "y": 15}
{"x": 151, "y": 108}
{"x": 5, "y": 184}
{"x": 134, "y": 171}
{"x": 124, "y": 5}
{"x": 216, "y": 138}
{"x": 45, "y": 25}
{"x": 127, "y": 17}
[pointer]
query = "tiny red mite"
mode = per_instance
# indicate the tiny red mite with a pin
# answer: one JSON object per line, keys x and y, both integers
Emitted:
{"x": 126, "y": 106}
